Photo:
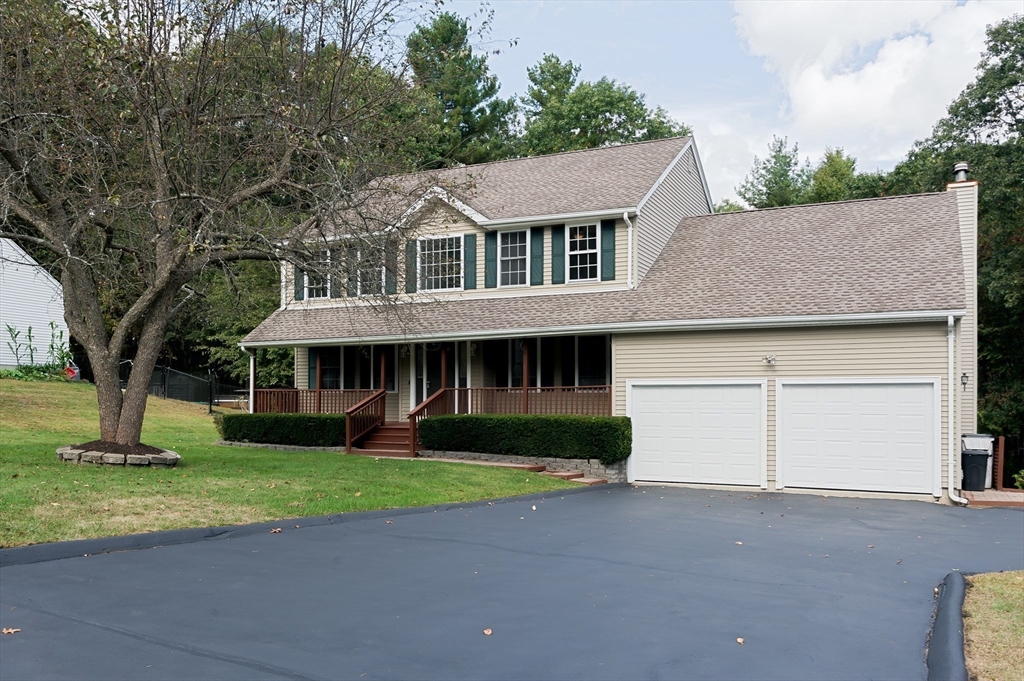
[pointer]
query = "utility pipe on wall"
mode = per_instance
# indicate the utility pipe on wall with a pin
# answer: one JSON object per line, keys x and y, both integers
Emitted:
{"x": 252, "y": 381}
{"x": 629, "y": 251}
{"x": 950, "y": 393}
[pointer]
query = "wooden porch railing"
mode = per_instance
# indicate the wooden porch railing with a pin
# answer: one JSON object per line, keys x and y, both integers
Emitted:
{"x": 588, "y": 400}
{"x": 300, "y": 401}
{"x": 436, "y": 404}
{"x": 363, "y": 417}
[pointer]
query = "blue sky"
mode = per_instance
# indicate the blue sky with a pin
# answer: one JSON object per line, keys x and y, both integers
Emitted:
{"x": 868, "y": 76}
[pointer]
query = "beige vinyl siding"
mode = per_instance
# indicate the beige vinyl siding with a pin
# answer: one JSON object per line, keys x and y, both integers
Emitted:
{"x": 808, "y": 352}
{"x": 302, "y": 368}
{"x": 681, "y": 194}
{"x": 967, "y": 209}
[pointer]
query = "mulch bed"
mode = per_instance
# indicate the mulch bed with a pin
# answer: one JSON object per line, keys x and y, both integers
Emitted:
{"x": 115, "y": 448}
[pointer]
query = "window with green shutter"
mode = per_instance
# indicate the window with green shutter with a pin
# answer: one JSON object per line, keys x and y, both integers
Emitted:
{"x": 491, "y": 260}
{"x": 469, "y": 258}
{"x": 558, "y": 254}
{"x": 537, "y": 256}
{"x": 607, "y": 250}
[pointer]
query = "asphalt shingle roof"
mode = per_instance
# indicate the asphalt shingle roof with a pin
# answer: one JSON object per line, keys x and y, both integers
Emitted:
{"x": 897, "y": 254}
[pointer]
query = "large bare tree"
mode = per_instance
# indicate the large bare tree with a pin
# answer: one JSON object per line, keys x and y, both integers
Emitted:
{"x": 145, "y": 140}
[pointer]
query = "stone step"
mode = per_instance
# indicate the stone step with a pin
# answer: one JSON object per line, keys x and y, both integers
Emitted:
{"x": 530, "y": 468}
{"x": 591, "y": 481}
{"x": 565, "y": 475}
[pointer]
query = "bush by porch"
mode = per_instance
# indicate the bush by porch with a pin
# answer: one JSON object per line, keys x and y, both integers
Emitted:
{"x": 608, "y": 438}
{"x": 302, "y": 430}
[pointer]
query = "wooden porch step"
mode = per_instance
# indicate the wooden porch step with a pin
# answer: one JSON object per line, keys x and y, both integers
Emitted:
{"x": 388, "y": 436}
{"x": 384, "y": 453}
{"x": 565, "y": 475}
{"x": 377, "y": 444}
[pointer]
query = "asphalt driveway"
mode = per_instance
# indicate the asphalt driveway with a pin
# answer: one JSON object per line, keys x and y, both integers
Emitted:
{"x": 617, "y": 583}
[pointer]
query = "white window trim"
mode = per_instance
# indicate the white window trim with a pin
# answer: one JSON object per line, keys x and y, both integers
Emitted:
{"x": 568, "y": 228}
{"x": 528, "y": 254}
{"x": 327, "y": 282}
{"x": 419, "y": 263}
{"x": 359, "y": 274}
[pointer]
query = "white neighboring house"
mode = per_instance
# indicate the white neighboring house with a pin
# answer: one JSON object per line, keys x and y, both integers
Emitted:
{"x": 29, "y": 297}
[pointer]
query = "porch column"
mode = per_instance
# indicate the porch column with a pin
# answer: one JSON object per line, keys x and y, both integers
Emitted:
{"x": 319, "y": 380}
{"x": 412, "y": 376}
{"x": 252, "y": 381}
{"x": 526, "y": 377}
{"x": 444, "y": 367}
{"x": 383, "y": 371}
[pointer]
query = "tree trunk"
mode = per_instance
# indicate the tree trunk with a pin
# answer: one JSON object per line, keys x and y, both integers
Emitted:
{"x": 133, "y": 409}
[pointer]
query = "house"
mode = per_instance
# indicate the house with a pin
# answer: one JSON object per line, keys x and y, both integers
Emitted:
{"x": 821, "y": 347}
{"x": 30, "y": 301}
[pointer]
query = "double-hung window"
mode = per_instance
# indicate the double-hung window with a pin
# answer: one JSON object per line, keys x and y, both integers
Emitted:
{"x": 583, "y": 253}
{"x": 513, "y": 258}
{"x": 318, "y": 284}
{"x": 366, "y": 269}
{"x": 441, "y": 263}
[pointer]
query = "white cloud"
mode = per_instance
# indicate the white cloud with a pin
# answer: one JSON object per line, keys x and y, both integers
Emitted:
{"x": 871, "y": 77}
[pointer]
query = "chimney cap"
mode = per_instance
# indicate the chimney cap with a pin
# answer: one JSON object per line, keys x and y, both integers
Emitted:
{"x": 960, "y": 171}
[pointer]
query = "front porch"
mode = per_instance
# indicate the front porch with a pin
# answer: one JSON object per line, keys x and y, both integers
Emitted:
{"x": 402, "y": 383}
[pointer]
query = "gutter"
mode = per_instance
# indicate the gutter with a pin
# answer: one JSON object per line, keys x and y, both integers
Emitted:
{"x": 950, "y": 387}
{"x": 632, "y": 327}
{"x": 554, "y": 218}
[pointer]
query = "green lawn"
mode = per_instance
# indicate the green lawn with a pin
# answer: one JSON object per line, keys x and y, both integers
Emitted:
{"x": 42, "y": 499}
{"x": 994, "y": 626}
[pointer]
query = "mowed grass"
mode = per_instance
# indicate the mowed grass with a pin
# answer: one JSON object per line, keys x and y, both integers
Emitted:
{"x": 994, "y": 626}
{"x": 43, "y": 499}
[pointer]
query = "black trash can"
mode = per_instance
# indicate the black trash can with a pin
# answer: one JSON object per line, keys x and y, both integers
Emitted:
{"x": 975, "y": 465}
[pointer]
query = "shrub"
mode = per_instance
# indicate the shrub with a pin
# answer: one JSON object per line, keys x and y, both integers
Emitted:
{"x": 1018, "y": 479}
{"x": 608, "y": 438}
{"x": 302, "y": 430}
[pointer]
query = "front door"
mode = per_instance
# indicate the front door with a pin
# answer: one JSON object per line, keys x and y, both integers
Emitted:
{"x": 434, "y": 358}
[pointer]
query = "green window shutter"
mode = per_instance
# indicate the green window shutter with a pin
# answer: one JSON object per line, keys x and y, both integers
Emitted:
{"x": 469, "y": 261}
{"x": 300, "y": 283}
{"x": 312, "y": 369}
{"x": 391, "y": 272}
{"x": 491, "y": 260}
{"x": 607, "y": 250}
{"x": 537, "y": 256}
{"x": 558, "y": 254}
{"x": 410, "y": 267}
{"x": 350, "y": 272}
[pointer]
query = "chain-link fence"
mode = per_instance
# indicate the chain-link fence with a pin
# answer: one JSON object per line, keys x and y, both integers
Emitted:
{"x": 172, "y": 384}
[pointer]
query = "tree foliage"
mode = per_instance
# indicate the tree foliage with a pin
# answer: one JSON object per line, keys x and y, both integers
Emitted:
{"x": 777, "y": 180}
{"x": 562, "y": 114}
{"x": 145, "y": 143}
{"x": 475, "y": 124}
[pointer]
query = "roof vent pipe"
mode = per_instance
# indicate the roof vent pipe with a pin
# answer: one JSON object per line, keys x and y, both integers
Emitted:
{"x": 960, "y": 171}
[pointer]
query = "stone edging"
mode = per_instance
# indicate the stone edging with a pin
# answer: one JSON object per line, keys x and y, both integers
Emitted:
{"x": 165, "y": 459}
{"x": 945, "y": 658}
{"x": 40, "y": 553}
{"x": 591, "y": 468}
{"x": 280, "y": 448}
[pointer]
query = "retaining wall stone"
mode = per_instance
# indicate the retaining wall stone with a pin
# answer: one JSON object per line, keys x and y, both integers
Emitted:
{"x": 591, "y": 468}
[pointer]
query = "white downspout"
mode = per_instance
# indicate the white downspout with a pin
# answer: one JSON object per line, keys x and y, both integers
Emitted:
{"x": 629, "y": 251}
{"x": 951, "y": 390}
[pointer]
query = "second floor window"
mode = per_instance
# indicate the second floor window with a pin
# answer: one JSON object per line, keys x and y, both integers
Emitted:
{"x": 441, "y": 263}
{"x": 366, "y": 270}
{"x": 318, "y": 284}
{"x": 583, "y": 253}
{"x": 513, "y": 258}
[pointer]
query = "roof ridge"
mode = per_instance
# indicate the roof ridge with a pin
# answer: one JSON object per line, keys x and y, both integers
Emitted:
{"x": 821, "y": 203}
{"x": 539, "y": 156}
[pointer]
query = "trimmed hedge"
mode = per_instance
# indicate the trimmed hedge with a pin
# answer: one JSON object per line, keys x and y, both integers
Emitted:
{"x": 608, "y": 438}
{"x": 301, "y": 430}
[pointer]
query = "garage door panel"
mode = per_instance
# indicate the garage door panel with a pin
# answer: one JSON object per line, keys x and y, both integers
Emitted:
{"x": 698, "y": 433}
{"x": 858, "y": 436}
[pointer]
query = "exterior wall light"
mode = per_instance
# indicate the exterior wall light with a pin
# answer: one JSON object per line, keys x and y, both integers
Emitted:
{"x": 963, "y": 381}
{"x": 769, "y": 360}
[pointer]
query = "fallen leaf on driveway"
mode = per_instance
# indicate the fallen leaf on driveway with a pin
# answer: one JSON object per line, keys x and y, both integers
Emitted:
{"x": 8, "y": 630}
{"x": 740, "y": 641}
{"x": 276, "y": 530}
{"x": 899, "y": 561}
{"x": 390, "y": 522}
{"x": 534, "y": 508}
{"x": 487, "y": 632}
{"x": 871, "y": 546}
{"x": 739, "y": 543}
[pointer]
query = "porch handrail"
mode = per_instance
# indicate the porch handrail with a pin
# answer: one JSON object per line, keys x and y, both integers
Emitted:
{"x": 582, "y": 400}
{"x": 434, "y": 405}
{"x": 363, "y": 417}
{"x": 307, "y": 401}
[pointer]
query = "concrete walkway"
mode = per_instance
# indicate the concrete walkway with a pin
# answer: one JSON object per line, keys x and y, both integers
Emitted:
{"x": 611, "y": 583}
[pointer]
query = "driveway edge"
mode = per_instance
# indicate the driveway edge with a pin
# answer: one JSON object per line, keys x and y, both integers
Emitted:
{"x": 40, "y": 553}
{"x": 946, "y": 660}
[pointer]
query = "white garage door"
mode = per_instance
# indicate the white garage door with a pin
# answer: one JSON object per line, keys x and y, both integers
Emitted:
{"x": 698, "y": 433}
{"x": 878, "y": 437}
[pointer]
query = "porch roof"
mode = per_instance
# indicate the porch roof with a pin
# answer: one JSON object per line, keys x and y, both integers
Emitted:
{"x": 889, "y": 257}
